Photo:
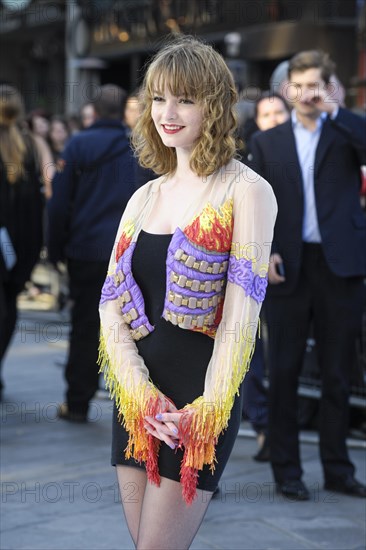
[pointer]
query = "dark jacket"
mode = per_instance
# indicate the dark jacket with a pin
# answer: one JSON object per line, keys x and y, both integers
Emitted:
{"x": 246, "y": 132}
{"x": 95, "y": 179}
{"x": 21, "y": 213}
{"x": 342, "y": 223}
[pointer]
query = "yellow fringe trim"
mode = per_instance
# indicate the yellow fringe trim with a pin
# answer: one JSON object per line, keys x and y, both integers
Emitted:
{"x": 133, "y": 402}
{"x": 205, "y": 421}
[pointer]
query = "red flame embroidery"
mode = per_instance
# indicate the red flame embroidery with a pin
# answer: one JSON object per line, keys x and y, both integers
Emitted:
{"x": 212, "y": 229}
{"x": 125, "y": 239}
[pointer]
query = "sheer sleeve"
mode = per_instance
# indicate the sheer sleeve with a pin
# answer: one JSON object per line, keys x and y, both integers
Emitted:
{"x": 204, "y": 419}
{"x": 125, "y": 372}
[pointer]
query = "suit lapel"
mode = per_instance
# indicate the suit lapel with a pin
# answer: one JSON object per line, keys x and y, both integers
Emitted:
{"x": 325, "y": 141}
{"x": 288, "y": 146}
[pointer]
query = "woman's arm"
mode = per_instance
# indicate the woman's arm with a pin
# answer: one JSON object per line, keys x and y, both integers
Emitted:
{"x": 204, "y": 419}
{"x": 126, "y": 374}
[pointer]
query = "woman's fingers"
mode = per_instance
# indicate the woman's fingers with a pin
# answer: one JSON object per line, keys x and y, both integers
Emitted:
{"x": 169, "y": 417}
{"x": 171, "y": 420}
{"x": 164, "y": 428}
{"x": 149, "y": 428}
{"x": 173, "y": 428}
{"x": 161, "y": 431}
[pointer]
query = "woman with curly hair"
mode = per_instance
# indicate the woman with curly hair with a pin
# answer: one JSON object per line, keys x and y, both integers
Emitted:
{"x": 180, "y": 304}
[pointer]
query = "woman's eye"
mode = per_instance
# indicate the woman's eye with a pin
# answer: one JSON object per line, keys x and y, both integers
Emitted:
{"x": 186, "y": 101}
{"x": 157, "y": 98}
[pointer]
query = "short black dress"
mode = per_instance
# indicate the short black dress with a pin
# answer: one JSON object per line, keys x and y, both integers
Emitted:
{"x": 177, "y": 360}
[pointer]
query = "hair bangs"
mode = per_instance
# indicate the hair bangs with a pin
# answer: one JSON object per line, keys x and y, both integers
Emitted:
{"x": 177, "y": 74}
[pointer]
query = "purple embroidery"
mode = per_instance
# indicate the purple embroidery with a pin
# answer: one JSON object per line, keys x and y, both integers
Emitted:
{"x": 259, "y": 288}
{"x": 187, "y": 292}
{"x": 240, "y": 272}
{"x": 180, "y": 241}
{"x": 111, "y": 291}
{"x": 187, "y": 310}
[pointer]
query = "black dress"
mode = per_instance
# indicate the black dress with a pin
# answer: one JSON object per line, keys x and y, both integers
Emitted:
{"x": 177, "y": 360}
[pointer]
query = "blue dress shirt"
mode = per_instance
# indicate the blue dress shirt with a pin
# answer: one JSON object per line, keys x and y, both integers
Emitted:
{"x": 306, "y": 144}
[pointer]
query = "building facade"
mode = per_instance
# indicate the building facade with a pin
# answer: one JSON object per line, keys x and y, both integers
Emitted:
{"x": 58, "y": 51}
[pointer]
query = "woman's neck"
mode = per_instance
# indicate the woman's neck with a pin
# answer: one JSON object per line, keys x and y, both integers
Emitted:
{"x": 184, "y": 172}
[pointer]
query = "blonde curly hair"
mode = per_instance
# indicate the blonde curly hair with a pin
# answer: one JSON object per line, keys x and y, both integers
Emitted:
{"x": 195, "y": 70}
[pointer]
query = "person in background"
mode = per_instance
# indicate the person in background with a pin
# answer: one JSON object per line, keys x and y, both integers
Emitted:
{"x": 337, "y": 90}
{"x": 38, "y": 124}
{"x": 278, "y": 82}
{"x": 73, "y": 124}
{"x": 95, "y": 178}
{"x": 38, "y": 121}
{"x": 58, "y": 136}
{"x": 21, "y": 206}
{"x": 270, "y": 110}
{"x": 130, "y": 117}
{"x": 87, "y": 115}
{"x": 132, "y": 111}
{"x": 278, "y": 85}
{"x": 317, "y": 268}
{"x": 46, "y": 164}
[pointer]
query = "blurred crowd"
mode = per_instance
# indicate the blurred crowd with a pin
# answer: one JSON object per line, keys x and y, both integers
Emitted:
{"x": 31, "y": 149}
{"x": 51, "y": 132}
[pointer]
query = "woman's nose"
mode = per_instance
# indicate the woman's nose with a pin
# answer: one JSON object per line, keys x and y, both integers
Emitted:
{"x": 170, "y": 110}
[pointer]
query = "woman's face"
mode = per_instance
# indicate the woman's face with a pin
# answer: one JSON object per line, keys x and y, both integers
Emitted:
{"x": 87, "y": 115}
{"x": 177, "y": 119}
{"x": 58, "y": 133}
{"x": 40, "y": 126}
{"x": 271, "y": 111}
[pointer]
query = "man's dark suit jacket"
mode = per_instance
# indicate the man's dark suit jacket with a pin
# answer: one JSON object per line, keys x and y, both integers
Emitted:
{"x": 342, "y": 224}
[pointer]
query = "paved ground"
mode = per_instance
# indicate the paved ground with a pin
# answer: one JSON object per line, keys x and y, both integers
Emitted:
{"x": 59, "y": 492}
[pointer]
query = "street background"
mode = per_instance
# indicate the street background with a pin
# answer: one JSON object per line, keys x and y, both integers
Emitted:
{"x": 59, "y": 491}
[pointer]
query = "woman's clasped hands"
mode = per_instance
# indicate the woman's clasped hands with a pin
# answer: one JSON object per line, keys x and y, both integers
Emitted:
{"x": 165, "y": 425}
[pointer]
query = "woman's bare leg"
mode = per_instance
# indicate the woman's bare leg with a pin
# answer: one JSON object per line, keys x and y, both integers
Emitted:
{"x": 132, "y": 483}
{"x": 166, "y": 521}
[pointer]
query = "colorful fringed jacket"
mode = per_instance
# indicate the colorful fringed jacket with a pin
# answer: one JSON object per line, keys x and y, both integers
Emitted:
{"x": 217, "y": 264}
